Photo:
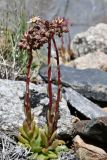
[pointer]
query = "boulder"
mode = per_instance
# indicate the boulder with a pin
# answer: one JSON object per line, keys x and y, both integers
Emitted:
{"x": 11, "y": 102}
{"x": 81, "y": 104}
{"x": 94, "y": 39}
{"x": 12, "y": 111}
{"x": 86, "y": 151}
{"x": 91, "y": 83}
{"x": 95, "y": 129}
{"x": 96, "y": 60}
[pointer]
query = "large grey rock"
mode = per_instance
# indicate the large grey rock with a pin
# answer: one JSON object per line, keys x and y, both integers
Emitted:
{"x": 12, "y": 111}
{"x": 94, "y": 39}
{"x": 83, "y": 105}
{"x": 11, "y": 102}
{"x": 91, "y": 83}
{"x": 97, "y": 60}
{"x": 95, "y": 129}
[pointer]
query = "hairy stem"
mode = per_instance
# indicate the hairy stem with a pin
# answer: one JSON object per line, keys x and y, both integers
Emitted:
{"x": 62, "y": 41}
{"x": 49, "y": 75}
{"x": 69, "y": 40}
{"x": 59, "y": 75}
{"x": 27, "y": 99}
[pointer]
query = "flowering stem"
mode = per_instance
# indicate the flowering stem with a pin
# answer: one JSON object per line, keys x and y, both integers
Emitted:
{"x": 59, "y": 75}
{"x": 27, "y": 99}
{"x": 69, "y": 40}
{"x": 62, "y": 41}
{"x": 49, "y": 75}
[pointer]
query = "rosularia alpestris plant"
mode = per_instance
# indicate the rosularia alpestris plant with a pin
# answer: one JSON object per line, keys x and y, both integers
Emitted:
{"x": 43, "y": 143}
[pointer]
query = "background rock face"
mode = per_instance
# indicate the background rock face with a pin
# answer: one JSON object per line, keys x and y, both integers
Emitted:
{"x": 96, "y": 60}
{"x": 94, "y": 39}
{"x": 93, "y": 129}
{"x": 82, "y": 13}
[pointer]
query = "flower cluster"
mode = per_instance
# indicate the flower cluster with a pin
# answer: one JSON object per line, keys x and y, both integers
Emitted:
{"x": 41, "y": 31}
{"x": 59, "y": 25}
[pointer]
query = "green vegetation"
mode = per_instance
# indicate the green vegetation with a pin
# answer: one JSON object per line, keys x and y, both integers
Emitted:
{"x": 12, "y": 27}
{"x": 9, "y": 53}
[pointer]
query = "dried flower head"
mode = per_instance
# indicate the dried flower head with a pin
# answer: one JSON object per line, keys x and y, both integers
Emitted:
{"x": 34, "y": 20}
{"x": 41, "y": 31}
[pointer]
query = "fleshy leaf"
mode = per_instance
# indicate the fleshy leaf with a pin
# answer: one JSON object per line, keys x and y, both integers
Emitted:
{"x": 62, "y": 148}
{"x": 36, "y": 149}
{"x": 45, "y": 150}
{"x": 36, "y": 142}
{"x": 54, "y": 145}
{"x": 22, "y": 140}
{"x": 42, "y": 157}
{"x": 35, "y": 134}
{"x": 23, "y": 133}
{"x": 31, "y": 132}
{"x": 53, "y": 136}
{"x": 46, "y": 129}
{"x": 52, "y": 155}
{"x": 44, "y": 138}
{"x": 25, "y": 126}
{"x": 33, "y": 156}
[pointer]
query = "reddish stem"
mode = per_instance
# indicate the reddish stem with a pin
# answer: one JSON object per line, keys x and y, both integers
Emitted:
{"x": 49, "y": 75}
{"x": 27, "y": 99}
{"x": 69, "y": 40}
{"x": 62, "y": 41}
{"x": 59, "y": 75}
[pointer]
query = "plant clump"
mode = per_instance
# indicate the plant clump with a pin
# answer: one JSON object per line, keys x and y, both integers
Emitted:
{"x": 42, "y": 142}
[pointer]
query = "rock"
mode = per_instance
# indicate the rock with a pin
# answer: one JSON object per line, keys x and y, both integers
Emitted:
{"x": 10, "y": 149}
{"x": 105, "y": 109}
{"x": 95, "y": 129}
{"x": 81, "y": 104}
{"x": 97, "y": 60}
{"x": 86, "y": 151}
{"x": 11, "y": 102}
{"x": 11, "y": 106}
{"x": 94, "y": 39}
{"x": 75, "y": 119}
{"x": 91, "y": 83}
{"x": 84, "y": 154}
{"x": 67, "y": 156}
{"x": 64, "y": 124}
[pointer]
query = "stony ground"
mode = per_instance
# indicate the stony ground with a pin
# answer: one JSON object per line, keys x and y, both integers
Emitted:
{"x": 83, "y": 108}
